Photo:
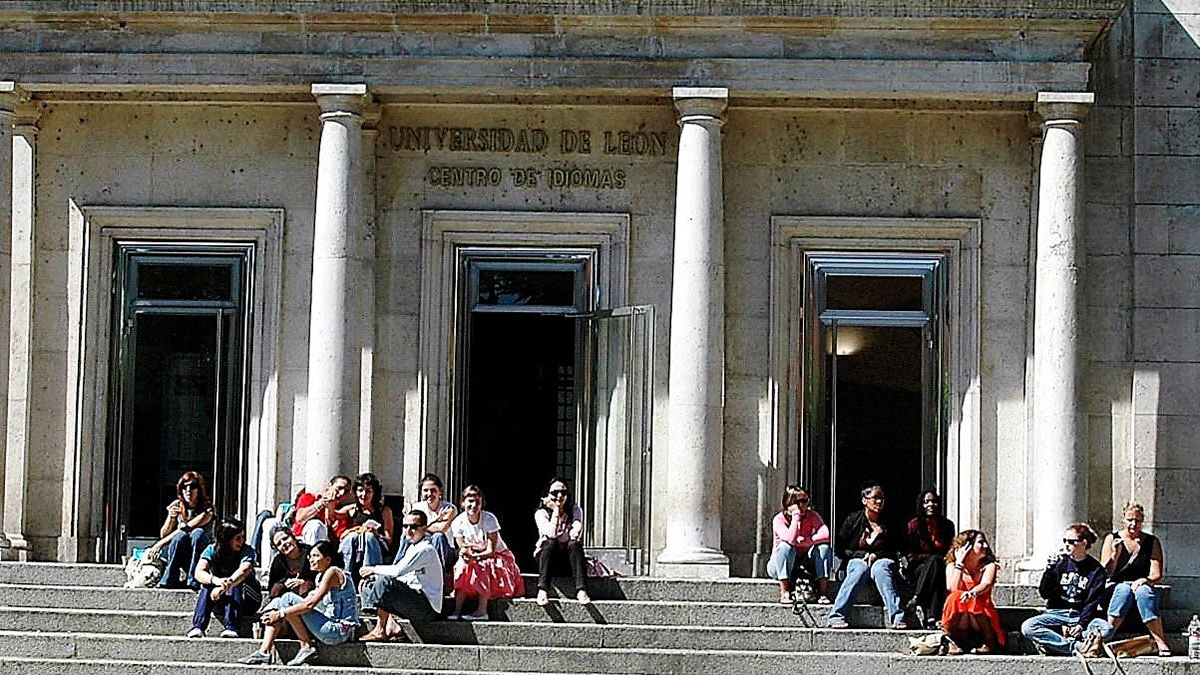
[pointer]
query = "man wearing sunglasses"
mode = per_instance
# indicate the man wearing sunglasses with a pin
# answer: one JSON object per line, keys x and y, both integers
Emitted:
{"x": 410, "y": 589}
{"x": 1072, "y": 586}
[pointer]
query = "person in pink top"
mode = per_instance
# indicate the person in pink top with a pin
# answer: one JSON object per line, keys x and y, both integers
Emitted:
{"x": 800, "y": 533}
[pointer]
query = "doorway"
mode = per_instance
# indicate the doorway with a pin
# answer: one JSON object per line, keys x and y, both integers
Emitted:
{"x": 874, "y": 378}
{"x": 520, "y": 385}
{"x": 178, "y": 386}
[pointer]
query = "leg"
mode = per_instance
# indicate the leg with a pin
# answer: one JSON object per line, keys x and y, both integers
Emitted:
{"x": 856, "y": 574}
{"x": 1045, "y": 631}
{"x": 578, "y": 564}
{"x": 441, "y": 544}
{"x": 543, "y": 560}
{"x": 1122, "y": 600}
{"x": 783, "y": 557}
{"x": 883, "y": 572}
{"x": 1101, "y": 627}
{"x": 260, "y": 525}
{"x": 349, "y": 547}
{"x": 314, "y": 531}
{"x": 1146, "y": 598}
{"x": 821, "y": 559}
{"x": 177, "y": 552}
{"x": 199, "y": 541}
{"x": 204, "y": 607}
{"x": 401, "y": 549}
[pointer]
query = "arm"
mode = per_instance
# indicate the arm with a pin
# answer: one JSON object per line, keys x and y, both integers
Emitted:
{"x": 199, "y": 520}
{"x": 1108, "y": 556}
{"x": 953, "y": 577}
{"x": 309, "y": 509}
{"x": 575, "y": 532}
{"x": 410, "y": 563}
{"x": 989, "y": 579}
{"x": 1095, "y": 593}
{"x": 332, "y": 575}
{"x": 1048, "y": 587}
{"x": 442, "y": 522}
{"x": 545, "y": 524}
{"x": 821, "y": 535}
{"x": 489, "y": 550}
{"x": 170, "y": 524}
{"x": 1156, "y": 567}
{"x": 389, "y": 526}
{"x": 203, "y": 573}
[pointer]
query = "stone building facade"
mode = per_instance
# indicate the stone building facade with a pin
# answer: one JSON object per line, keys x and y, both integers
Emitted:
{"x": 681, "y": 253}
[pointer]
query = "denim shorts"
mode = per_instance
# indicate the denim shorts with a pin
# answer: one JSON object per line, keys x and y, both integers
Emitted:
{"x": 322, "y": 627}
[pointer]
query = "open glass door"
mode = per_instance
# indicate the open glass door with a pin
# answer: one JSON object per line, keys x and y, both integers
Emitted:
{"x": 615, "y": 481}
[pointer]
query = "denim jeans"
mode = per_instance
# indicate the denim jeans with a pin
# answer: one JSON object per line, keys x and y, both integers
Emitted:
{"x": 183, "y": 549}
{"x": 818, "y": 560}
{"x": 884, "y": 573}
{"x": 1045, "y": 631}
{"x": 362, "y": 548}
{"x": 241, "y": 600}
{"x": 321, "y": 627}
{"x": 441, "y": 544}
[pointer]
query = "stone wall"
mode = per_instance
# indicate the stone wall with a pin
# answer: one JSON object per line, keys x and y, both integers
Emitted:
{"x": 1166, "y": 265}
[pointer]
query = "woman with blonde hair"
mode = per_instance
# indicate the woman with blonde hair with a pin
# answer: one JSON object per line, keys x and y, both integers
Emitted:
{"x": 1133, "y": 560}
{"x": 970, "y": 618}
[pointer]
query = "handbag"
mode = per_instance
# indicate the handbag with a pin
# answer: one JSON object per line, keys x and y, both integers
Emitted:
{"x": 933, "y": 644}
{"x": 1126, "y": 649}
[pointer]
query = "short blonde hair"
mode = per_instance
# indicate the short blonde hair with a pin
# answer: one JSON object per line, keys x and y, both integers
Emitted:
{"x": 1133, "y": 506}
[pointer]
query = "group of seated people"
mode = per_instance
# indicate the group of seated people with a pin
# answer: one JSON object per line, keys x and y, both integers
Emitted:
{"x": 326, "y": 548}
{"x": 949, "y": 578}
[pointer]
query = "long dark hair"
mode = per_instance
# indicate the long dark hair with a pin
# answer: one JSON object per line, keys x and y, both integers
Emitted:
{"x": 202, "y": 500}
{"x": 568, "y": 503}
{"x": 330, "y": 550}
{"x": 369, "y": 479}
{"x": 922, "y": 521}
{"x": 225, "y": 531}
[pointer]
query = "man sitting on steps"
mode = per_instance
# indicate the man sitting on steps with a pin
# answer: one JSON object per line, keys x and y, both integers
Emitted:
{"x": 410, "y": 589}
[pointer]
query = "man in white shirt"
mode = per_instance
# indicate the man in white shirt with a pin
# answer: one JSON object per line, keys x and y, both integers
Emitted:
{"x": 411, "y": 588}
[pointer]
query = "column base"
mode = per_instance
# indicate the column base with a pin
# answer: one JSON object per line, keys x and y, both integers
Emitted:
{"x": 13, "y": 548}
{"x": 705, "y": 563}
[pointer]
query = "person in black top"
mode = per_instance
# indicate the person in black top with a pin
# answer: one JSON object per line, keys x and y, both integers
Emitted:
{"x": 1073, "y": 586}
{"x": 290, "y": 569}
{"x": 1133, "y": 560}
{"x": 929, "y": 537}
{"x": 869, "y": 547}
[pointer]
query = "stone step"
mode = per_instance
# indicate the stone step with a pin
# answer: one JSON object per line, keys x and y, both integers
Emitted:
{"x": 619, "y": 588}
{"x": 76, "y": 666}
{"x": 155, "y": 655}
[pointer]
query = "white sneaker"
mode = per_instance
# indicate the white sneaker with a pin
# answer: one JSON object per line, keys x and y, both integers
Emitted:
{"x": 227, "y": 633}
{"x": 195, "y": 633}
{"x": 475, "y": 617}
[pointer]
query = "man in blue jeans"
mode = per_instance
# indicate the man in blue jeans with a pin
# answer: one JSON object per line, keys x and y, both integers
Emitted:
{"x": 1072, "y": 586}
{"x": 870, "y": 548}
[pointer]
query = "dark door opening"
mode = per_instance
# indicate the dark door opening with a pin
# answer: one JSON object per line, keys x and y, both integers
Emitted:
{"x": 522, "y": 416}
{"x": 178, "y": 384}
{"x": 874, "y": 373}
{"x": 519, "y": 389}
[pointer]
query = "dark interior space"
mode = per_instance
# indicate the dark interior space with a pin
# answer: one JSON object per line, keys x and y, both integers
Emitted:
{"x": 519, "y": 396}
{"x": 879, "y": 416}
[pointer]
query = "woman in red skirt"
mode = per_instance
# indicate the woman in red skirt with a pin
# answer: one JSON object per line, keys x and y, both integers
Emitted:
{"x": 486, "y": 569}
{"x": 969, "y": 618}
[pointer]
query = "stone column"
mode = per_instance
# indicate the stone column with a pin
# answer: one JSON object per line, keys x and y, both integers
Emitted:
{"x": 8, "y": 104}
{"x": 1058, "y": 461}
{"x": 697, "y": 357}
{"x": 16, "y": 470}
{"x": 341, "y": 253}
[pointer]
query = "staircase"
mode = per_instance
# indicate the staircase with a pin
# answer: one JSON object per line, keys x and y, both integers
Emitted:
{"x": 67, "y": 619}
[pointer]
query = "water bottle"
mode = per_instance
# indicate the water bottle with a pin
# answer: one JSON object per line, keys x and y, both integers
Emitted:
{"x": 1193, "y": 636}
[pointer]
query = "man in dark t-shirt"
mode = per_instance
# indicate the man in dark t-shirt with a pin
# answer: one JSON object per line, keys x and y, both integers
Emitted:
{"x": 1072, "y": 585}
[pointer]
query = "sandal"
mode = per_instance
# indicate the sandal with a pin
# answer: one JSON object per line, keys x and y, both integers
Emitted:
{"x": 1164, "y": 653}
{"x": 840, "y": 625}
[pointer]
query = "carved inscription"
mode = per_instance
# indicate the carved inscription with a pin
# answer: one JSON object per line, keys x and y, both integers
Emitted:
{"x": 529, "y": 141}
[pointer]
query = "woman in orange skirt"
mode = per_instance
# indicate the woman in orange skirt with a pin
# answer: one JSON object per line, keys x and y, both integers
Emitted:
{"x": 486, "y": 568}
{"x": 969, "y": 618}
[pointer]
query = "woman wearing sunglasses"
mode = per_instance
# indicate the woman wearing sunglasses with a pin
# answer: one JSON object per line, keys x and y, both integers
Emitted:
{"x": 1133, "y": 560}
{"x": 560, "y": 537}
{"x": 1072, "y": 586}
{"x": 799, "y": 532}
{"x": 185, "y": 532}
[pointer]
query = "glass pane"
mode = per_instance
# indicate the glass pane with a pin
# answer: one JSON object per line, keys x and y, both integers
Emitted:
{"x": 874, "y": 293}
{"x": 174, "y": 382}
{"x": 526, "y": 287}
{"x": 878, "y": 413}
{"x": 167, "y": 281}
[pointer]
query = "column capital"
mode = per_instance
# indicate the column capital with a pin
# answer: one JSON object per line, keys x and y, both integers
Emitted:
{"x": 1063, "y": 108}
{"x": 697, "y": 104}
{"x": 10, "y": 96}
{"x": 342, "y": 99}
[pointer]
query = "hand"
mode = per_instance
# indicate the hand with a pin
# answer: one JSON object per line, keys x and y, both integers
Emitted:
{"x": 271, "y": 618}
{"x": 1136, "y": 584}
{"x": 216, "y": 593}
{"x": 173, "y": 510}
{"x": 365, "y": 571}
{"x": 793, "y": 510}
{"x": 548, "y": 502}
{"x": 153, "y": 552}
{"x": 967, "y": 595}
{"x": 1054, "y": 559}
{"x": 870, "y": 559}
{"x": 961, "y": 554}
{"x": 292, "y": 584}
{"x": 1072, "y": 631}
